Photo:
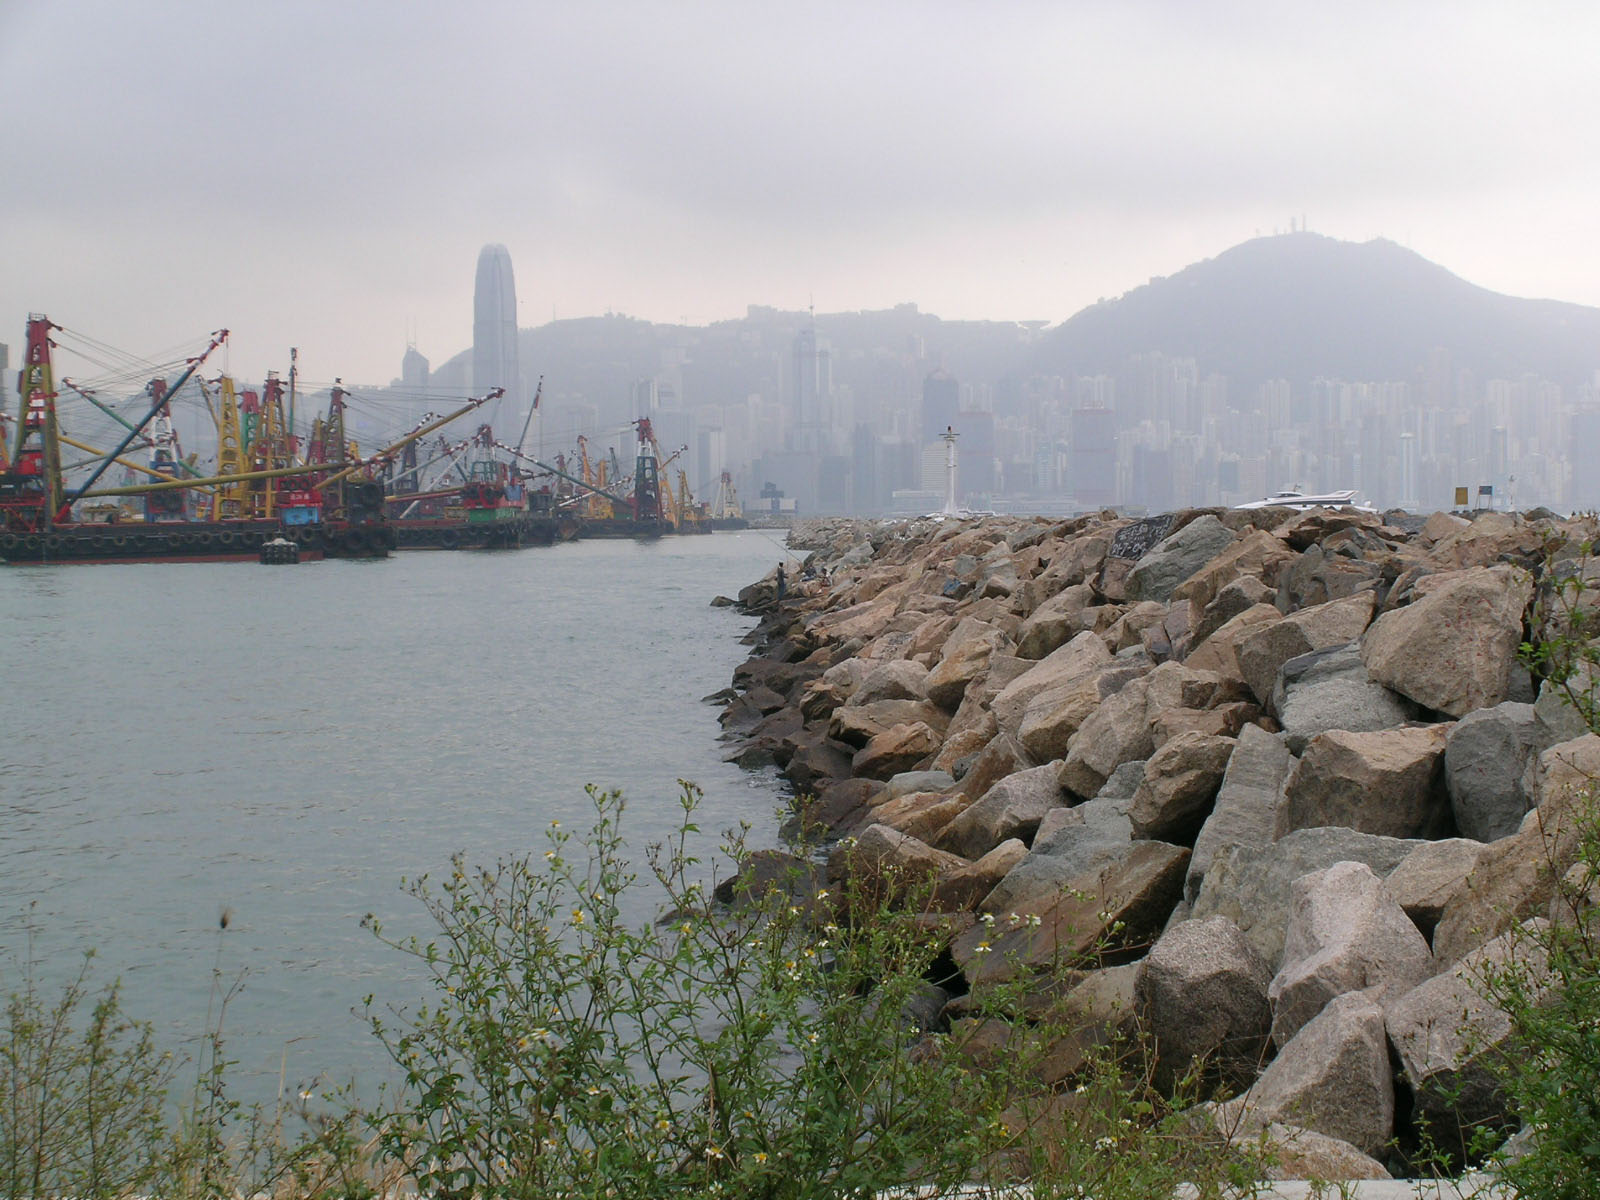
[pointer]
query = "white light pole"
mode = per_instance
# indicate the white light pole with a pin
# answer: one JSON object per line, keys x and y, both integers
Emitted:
{"x": 949, "y": 438}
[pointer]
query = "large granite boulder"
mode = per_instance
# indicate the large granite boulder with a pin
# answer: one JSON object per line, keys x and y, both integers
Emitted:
{"x": 1176, "y": 557}
{"x": 1319, "y": 576}
{"x": 1485, "y": 760}
{"x": 1516, "y": 877}
{"x": 962, "y": 888}
{"x": 1251, "y": 884}
{"x": 1390, "y": 782}
{"x": 1346, "y": 933}
{"x": 1257, "y": 555}
{"x": 1203, "y": 997}
{"x": 1430, "y": 876}
{"x": 1012, "y": 808}
{"x": 898, "y": 748}
{"x": 1122, "y": 904}
{"x": 1447, "y": 1032}
{"x": 964, "y": 657}
{"x": 1070, "y": 843}
{"x": 1245, "y": 811}
{"x": 1331, "y": 689}
{"x": 1055, "y": 622}
{"x": 1083, "y": 655}
{"x": 1180, "y": 783}
{"x": 1116, "y": 732}
{"x": 1264, "y": 651}
{"x": 857, "y": 724}
{"x": 1232, "y": 600}
{"x": 1454, "y": 648}
{"x": 1054, "y": 715}
{"x": 1220, "y": 651}
{"x": 1333, "y": 1077}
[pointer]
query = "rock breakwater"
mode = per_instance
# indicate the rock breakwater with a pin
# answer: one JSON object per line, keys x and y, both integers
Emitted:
{"x": 1272, "y": 784}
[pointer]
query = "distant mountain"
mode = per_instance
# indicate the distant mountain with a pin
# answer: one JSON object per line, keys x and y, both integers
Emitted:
{"x": 1301, "y": 305}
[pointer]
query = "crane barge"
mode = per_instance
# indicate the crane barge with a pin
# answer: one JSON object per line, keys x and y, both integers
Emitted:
{"x": 328, "y": 503}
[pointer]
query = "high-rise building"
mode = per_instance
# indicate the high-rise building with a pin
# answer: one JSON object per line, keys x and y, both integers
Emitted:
{"x": 941, "y": 401}
{"x": 494, "y": 328}
{"x": 414, "y": 368}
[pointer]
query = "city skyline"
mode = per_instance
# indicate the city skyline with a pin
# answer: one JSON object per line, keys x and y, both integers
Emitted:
{"x": 316, "y": 175}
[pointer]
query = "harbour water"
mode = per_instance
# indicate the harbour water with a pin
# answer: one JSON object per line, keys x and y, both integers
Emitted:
{"x": 287, "y": 743}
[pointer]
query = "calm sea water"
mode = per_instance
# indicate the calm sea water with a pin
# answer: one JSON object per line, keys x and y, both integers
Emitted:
{"x": 289, "y": 742}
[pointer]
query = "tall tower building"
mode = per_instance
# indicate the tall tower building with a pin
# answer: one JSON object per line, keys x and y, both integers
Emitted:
{"x": 494, "y": 328}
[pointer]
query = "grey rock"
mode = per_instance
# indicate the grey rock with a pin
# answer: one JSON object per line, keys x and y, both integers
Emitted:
{"x": 1203, "y": 997}
{"x": 1247, "y": 802}
{"x": 1427, "y": 878}
{"x": 1336, "y": 623}
{"x": 1332, "y": 1077}
{"x": 907, "y": 782}
{"x": 1012, "y": 808}
{"x": 1484, "y": 763}
{"x": 1070, "y": 843}
{"x": 1447, "y": 1032}
{"x": 1346, "y": 933}
{"x": 1251, "y": 884}
{"x": 1330, "y": 689}
{"x": 1176, "y": 557}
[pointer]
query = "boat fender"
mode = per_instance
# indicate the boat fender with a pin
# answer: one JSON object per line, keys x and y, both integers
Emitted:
{"x": 449, "y": 539}
{"x": 225, "y": 538}
{"x": 9, "y": 542}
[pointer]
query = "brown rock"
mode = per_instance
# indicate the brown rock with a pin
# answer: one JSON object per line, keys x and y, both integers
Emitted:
{"x": 1219, "y": 652}
{"x": 1390, "y": 782}
{"x": 858, "y": 724}
{"x": 1516, "y": 877}
{"x": 1453, "y": 649}
{"x": 1116, "y": 732}
{"x": 1012, "y": 808}
{"x": 899, "y": 748}
{"x": 1258, "y": 555}
{"x": 1120, "y": 905}
{"x": 921, "y": 814}
{"x": 962, "y": 888}
{"x": 1054, "y": 715}
{"x": 1180, "y": 783}
{"x": 1263, "y": 652}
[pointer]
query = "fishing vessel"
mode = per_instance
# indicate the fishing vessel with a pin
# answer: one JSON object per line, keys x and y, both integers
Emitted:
{"x": 319, "y": 493}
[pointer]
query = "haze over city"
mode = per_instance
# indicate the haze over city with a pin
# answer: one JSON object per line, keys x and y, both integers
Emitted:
{"x": 324, "y": 176}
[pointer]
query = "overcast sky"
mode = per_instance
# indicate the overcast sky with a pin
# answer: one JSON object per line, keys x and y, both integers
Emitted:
{"x": 324, "y": 174}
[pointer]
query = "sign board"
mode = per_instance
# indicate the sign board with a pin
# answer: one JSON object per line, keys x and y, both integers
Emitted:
{"x": 1461, "y": 497}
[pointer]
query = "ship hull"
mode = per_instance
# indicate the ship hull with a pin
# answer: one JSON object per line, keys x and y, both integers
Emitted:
{"x": 187, "y": 541}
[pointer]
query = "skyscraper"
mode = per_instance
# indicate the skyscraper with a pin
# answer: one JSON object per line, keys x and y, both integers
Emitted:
{"x": 494, "y": 328}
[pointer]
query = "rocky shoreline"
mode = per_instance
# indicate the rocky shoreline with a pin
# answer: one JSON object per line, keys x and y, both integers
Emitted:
{"x": 1274, "y": 783}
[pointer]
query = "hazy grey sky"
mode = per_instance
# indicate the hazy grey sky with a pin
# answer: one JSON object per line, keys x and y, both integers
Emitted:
{"x": 323, "y": 174}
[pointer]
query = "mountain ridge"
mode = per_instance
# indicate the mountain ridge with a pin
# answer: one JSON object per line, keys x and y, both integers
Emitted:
{"x": 1302, "y": 305}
